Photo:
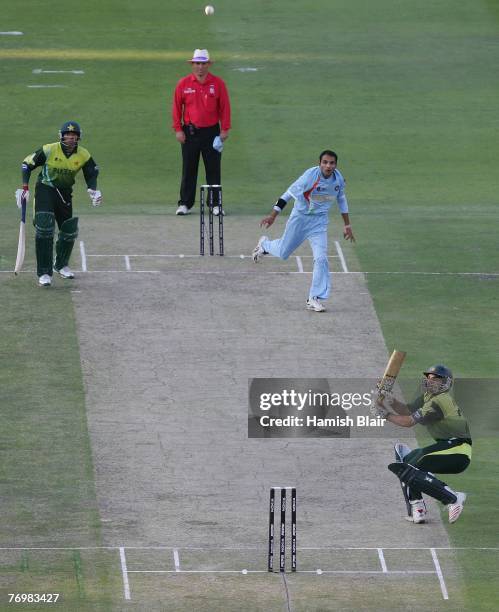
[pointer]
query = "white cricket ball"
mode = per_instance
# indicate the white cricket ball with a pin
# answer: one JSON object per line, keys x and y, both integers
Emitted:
{"x": 209, "y": 10}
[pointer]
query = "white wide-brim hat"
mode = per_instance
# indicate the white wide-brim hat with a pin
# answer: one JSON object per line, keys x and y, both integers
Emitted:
{"x": 200, "y": 55}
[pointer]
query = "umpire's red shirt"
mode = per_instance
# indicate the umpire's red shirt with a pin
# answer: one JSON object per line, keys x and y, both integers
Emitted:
{"x": 201, "y": 104}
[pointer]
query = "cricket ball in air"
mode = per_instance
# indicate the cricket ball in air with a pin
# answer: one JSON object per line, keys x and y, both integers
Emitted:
{"x": 209, "y": 10}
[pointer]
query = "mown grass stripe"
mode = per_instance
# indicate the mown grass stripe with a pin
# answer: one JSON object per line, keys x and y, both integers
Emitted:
{"x": 78, "y": 570}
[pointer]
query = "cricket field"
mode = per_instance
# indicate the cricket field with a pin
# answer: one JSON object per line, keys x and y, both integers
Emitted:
{"x": 127, "y": 477}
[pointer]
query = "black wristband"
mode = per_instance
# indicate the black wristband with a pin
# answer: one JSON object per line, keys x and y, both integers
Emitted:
{"x": 280, "y": 203}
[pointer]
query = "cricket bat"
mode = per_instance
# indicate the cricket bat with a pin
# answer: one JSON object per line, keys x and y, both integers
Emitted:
{"x": 21, "y": 246}
{"x": 385, "y": 385}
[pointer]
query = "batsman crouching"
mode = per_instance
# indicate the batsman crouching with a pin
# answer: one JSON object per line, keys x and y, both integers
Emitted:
{"x": 60, "y": 162}
{"x": 438, "y": 411}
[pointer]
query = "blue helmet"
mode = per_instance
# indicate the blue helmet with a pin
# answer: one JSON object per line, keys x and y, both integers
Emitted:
{"x": 442, "y": 383}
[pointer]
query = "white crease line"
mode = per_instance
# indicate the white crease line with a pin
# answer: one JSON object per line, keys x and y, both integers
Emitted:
{"x": 369, "y": 571}
{"x": 299, "y": 263}
{"x": 202, "y": 572}
{"x": 434, "y": 273}
{"x": 382, "y": 560}
{"x": 400, "y": 572}
{"x": 41, "y": 71}
{"x": 405, "y": 572}
{"x": 83, "y": 257}
{"x": 127, "y": 263}
{"x": 451, "y": 548}
{"x": 45, "y": 86}
{"x": 176, "y": 559}
{"x": 124, "y": 572}
{"x": 438, "y": 569}
{"x": 136, "y": 272}
{"x": 261, "y": 547}
{"x": 182, "y": 256}
{"x": 261, "y": 271}
{"x": 12, "y": 33}
{"x": 167, "y": 271}
{"x": 340, "y": 255}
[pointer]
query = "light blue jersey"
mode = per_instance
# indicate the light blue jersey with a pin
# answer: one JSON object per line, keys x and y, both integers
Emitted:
{"x": 314, "y": 194}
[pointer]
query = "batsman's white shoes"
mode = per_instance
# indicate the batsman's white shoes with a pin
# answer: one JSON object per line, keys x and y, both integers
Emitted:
{"x": 45, "y": 280}
{"x": 65, "y": 272}
{"x": 419, "y": 511}
{"x": 315, "y": 304}
{"x": 456, "y": 509}
{"x": 259, "y": 251}
{"x": 216, "y": 211}
{"x": 183, "y": 210}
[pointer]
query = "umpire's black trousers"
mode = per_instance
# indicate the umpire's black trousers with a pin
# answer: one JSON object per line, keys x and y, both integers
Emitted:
{"x": 199, "y": 141}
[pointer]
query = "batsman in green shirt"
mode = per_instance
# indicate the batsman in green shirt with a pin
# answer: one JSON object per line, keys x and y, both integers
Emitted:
{"x": 438, "y": 411}
{"x": 60, "y": 162}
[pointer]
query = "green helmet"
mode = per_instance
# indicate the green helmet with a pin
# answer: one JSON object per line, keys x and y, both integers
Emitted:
{"x": 71, "y": 127}
{"x": 442, "y": 383}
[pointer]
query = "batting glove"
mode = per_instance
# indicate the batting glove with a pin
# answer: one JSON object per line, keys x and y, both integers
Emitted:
{"x": 95, "y": 196}
{"x": 22, "y": 194}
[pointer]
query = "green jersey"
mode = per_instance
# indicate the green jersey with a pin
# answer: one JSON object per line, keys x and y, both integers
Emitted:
{"x": 59, "y": 169}
{"x": 441, "y": 415}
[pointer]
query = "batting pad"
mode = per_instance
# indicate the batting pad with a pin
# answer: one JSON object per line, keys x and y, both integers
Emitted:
{"x": 44, "y": 225}
{"x": 64, "y": 245}
{"x": 423, "y": 482}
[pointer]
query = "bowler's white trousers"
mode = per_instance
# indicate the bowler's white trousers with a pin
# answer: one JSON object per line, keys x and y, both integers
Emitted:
{"x": 299, "y": 228}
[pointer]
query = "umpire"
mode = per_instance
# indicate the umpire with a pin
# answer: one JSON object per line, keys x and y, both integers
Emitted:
{"x": 438, "y": 411}
{"x": 201, "y": 120}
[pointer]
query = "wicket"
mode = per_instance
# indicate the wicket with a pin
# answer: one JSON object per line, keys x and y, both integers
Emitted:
{"x": 282, "y": 530}
{"x": 209, "y": 190}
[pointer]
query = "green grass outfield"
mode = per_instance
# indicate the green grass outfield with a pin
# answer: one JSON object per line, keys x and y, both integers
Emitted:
{"x": 404, "y": 92}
